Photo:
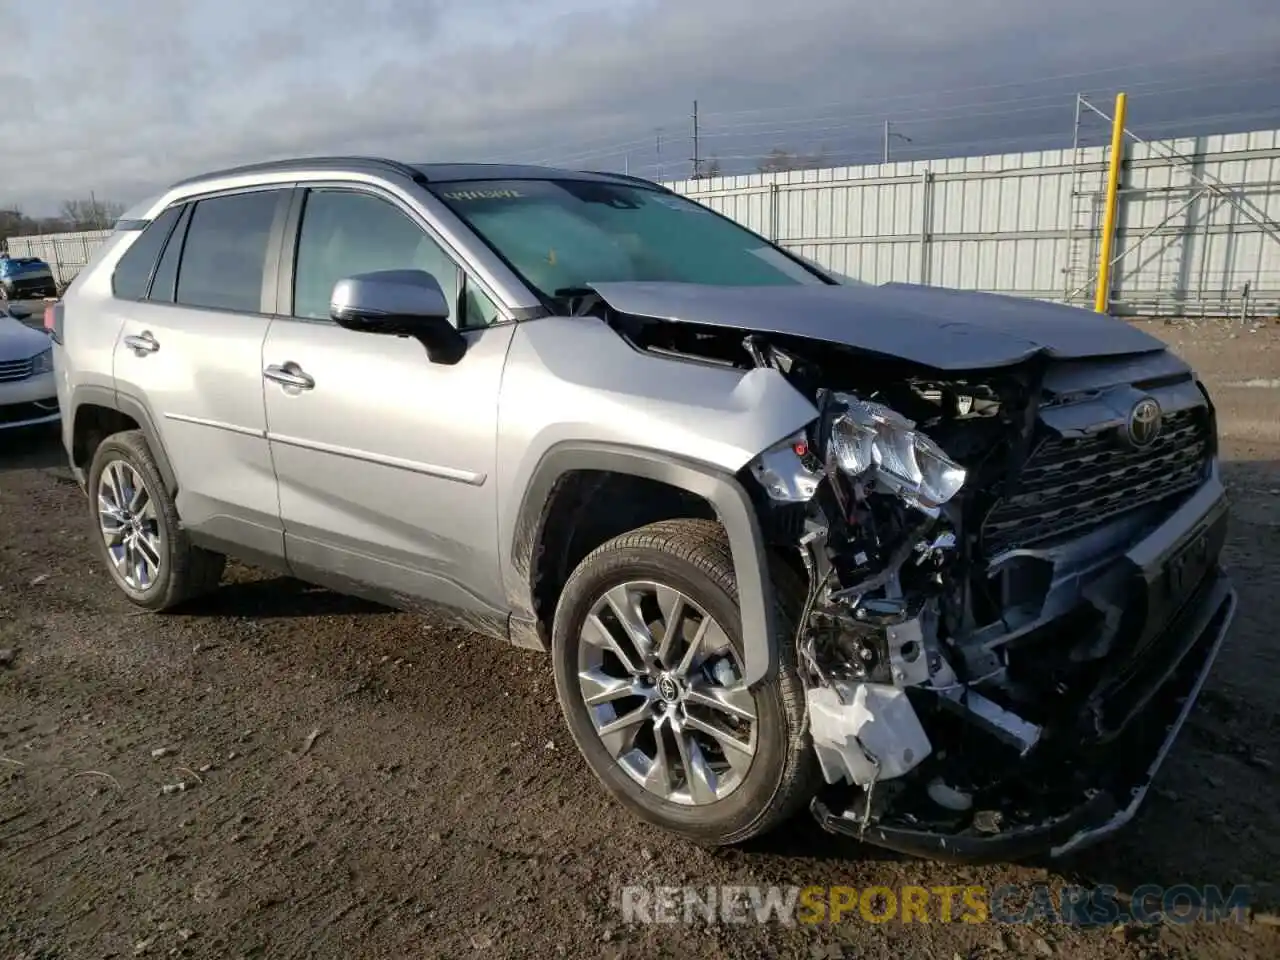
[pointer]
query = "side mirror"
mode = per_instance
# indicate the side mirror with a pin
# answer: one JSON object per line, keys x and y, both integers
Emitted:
{"x": 402, "y": 303}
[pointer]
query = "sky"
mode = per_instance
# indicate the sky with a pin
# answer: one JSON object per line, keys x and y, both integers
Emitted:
{"x": 121, "y": 98}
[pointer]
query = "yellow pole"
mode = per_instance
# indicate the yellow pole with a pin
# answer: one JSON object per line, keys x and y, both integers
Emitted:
{"x": 1102, "y": 300}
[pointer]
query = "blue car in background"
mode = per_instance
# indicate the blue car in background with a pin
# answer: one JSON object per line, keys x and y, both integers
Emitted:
{"x": 25, "y": 278}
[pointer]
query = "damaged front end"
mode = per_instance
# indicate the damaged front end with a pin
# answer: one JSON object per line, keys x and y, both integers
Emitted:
{"x": 1013, "y": 599}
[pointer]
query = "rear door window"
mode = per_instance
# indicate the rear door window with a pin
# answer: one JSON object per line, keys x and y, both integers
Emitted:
{"x": 133, "y": 273}
{"x": 224, "y": 254}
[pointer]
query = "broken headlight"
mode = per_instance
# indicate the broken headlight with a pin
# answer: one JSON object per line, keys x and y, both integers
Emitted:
{"x": 866, "y": 436}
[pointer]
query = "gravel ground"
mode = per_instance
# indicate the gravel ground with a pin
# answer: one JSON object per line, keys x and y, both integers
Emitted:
{"x": 362, "y": 782}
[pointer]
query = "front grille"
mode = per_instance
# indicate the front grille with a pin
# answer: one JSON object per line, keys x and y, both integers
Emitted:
{"x": 16, "y": 369}
{"x": 1071, "y": 485}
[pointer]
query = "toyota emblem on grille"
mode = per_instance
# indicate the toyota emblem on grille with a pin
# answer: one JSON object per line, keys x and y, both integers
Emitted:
{"x": 1144, "y": 423}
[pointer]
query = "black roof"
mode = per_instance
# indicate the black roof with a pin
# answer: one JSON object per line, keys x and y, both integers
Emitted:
{"x": 448, "y": 172}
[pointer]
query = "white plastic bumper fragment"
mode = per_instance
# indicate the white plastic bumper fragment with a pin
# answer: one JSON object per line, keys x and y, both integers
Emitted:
{"x": 875, "y": 736}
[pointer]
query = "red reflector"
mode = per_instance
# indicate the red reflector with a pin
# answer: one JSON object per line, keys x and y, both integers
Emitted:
{"x": 48, "y": 316}
{"x": 800, "y": 447}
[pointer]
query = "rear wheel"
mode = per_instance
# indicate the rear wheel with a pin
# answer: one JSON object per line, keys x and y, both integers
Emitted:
{"x": 647, "y": 645}
{"x": 139, "y": 537}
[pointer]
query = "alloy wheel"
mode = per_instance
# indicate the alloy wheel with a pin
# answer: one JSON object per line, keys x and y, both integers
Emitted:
{"x": 663, "y": 686}
{"x": 129, "y": 524}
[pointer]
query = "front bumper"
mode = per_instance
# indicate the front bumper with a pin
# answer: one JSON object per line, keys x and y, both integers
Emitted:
{"x": 1185, "y": 604}
{"x": 28, "y": 403}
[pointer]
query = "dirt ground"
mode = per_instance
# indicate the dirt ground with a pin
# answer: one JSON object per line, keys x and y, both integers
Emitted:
{"x": 441, "y": 809}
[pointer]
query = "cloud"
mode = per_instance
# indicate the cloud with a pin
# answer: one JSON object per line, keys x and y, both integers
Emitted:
{"x": 123, "y": 98}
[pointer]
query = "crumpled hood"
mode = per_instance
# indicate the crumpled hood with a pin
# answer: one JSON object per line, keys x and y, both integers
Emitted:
{"x": 18, "y": 341}
{"x": 934, "y": 326}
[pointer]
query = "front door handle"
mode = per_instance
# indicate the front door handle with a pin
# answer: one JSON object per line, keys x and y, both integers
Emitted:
{"x": 289, "y": 375}
{"x": 142, "y": 343}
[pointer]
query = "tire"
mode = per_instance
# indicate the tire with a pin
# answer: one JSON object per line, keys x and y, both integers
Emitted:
{"x": 691, "y": 557}
{"x": 182, "y": 570}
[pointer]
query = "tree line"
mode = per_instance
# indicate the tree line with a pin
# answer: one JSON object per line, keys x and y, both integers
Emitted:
{"x": 73, "y": 215}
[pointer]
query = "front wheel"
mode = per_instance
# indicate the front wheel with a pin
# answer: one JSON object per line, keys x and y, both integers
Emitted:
{"x": 647, "y": 647}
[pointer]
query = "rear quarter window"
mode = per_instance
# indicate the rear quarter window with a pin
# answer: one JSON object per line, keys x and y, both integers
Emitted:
{"x": 132, "y": 275}
{"x": 165, "y": 277}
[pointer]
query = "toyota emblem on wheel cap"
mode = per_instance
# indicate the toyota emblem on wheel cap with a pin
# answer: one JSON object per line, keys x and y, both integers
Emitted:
{"x": 1144, "y": 423}
{"x": 668, "y": 689}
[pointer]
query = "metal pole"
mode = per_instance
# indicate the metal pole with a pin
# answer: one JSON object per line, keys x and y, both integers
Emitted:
{"x": 1103, "y": 298}
{"x": 886, "y": 141}
{"x": 773, "y": 211}
{"x": 926, "y": 203}
{"x": 696, "y": 171}
{"x": 1073, "y": 185}
{"x": 658, "y": 145}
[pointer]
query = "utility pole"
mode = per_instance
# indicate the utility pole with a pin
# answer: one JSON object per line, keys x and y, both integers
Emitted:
{"x": 889, "y": 133}
{"x": 697, "y": 173}
{"x": 658, "y": 151}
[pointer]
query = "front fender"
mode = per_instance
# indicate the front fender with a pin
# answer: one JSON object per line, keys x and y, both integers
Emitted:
{"x": 577, "y": 396}
{"x": 722, "y": 490}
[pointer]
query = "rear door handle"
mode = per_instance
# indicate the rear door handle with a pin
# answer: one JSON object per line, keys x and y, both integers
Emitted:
{"x": 289, "y": 375}
{"x": 142, "y": 343}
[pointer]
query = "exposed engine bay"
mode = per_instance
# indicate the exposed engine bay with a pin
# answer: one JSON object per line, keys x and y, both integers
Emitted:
{"x": 977, "y": 658}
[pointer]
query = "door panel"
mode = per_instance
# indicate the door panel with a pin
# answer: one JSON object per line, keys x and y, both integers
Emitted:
{"x": 384, "y": 459}
{"x": 197, "y": 366}
{"x": 386, "y": 464}
{"x": 203, "y": 386}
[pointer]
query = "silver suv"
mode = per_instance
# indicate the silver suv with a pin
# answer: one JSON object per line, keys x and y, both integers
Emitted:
{"x": 942, "y": 566}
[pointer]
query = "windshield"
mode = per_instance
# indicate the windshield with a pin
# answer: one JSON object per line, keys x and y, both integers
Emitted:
{"x": 562, "y": 235}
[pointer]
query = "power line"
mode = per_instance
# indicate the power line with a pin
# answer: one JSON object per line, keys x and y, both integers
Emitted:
{"x": 934, "y": 146}
{"x": 1230, "y": 55}
{"x": 539, "y": 151}
{"x": 947, "y": 113}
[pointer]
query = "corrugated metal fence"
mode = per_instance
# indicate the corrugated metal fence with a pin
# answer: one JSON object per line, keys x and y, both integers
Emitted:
{"x": 66, "y": 253}
{"x": 1199, "y": 223}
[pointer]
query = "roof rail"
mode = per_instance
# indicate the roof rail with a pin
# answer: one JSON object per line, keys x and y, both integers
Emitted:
{"x": 268, "y": 166}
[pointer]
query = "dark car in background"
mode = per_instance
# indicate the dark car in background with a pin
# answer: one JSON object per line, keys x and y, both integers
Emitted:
{"x": 26, "y": 278}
